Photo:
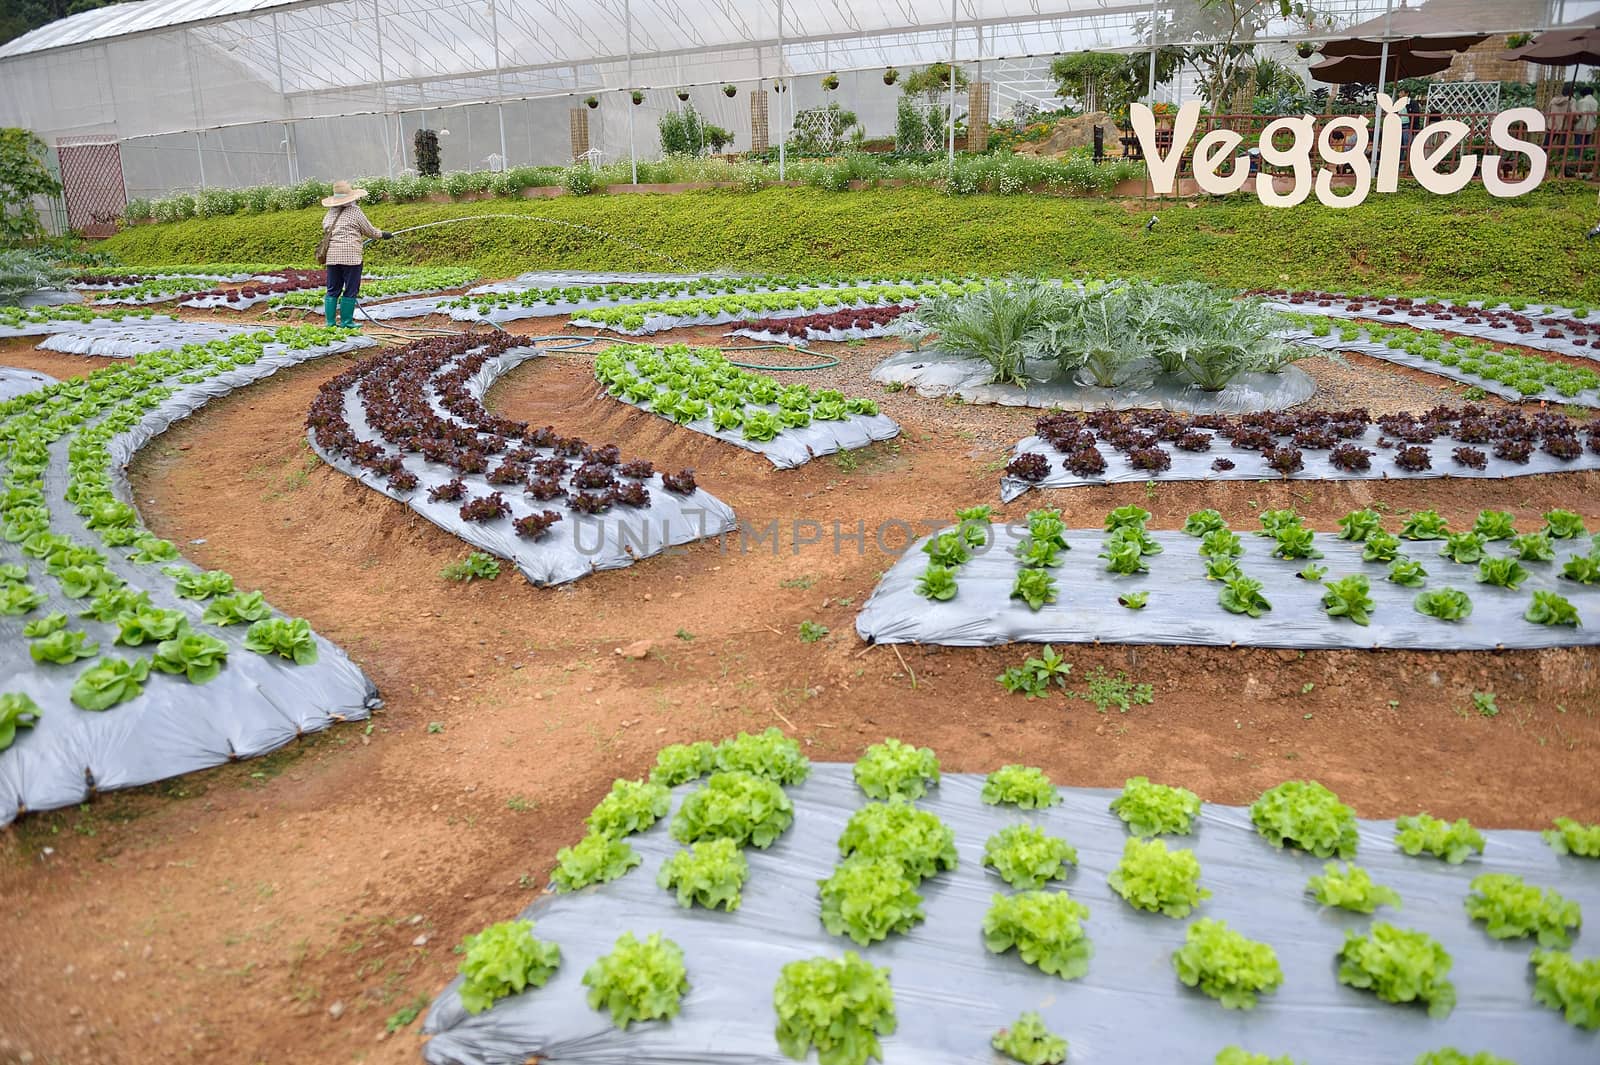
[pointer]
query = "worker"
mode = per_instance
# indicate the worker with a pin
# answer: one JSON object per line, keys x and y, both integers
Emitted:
{"x": 343, "y": 228}
{"x": 1584, "y": 110}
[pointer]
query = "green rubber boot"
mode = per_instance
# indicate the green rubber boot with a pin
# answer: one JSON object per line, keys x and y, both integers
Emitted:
{"x": 347, "y": 312}
{"x": 329, "y": 305}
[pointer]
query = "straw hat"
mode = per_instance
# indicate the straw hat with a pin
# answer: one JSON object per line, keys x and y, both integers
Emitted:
{"x": 343, "y": 193}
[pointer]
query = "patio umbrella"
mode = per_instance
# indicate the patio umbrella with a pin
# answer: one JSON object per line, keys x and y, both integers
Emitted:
{"x": 1363, "y": 69}
{"x": 1416, "y": 29}
{"x": 1560, "y": 48}
{"x": 1371, "y": 46}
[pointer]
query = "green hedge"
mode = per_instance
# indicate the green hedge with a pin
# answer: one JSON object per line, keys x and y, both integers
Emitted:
{"x": 1464, "y": 245}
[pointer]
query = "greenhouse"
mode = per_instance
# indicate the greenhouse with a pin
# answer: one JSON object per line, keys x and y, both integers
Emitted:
{"x": 256, "y": 92}
{"x": 903, "y": 532}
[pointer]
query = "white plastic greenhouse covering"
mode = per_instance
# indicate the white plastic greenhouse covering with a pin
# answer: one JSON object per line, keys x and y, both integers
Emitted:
{"x": 244, "y": 92}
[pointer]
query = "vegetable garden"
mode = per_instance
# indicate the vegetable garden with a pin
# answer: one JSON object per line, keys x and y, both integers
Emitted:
{"x": 1213, "y": 499}
{"x": 884, "y": 911}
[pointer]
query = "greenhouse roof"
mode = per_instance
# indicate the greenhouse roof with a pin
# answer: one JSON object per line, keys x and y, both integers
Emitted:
{"x": 119, "y": 19}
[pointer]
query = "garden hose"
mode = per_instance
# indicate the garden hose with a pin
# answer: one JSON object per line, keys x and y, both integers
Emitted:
{"x": 832, "y": 362}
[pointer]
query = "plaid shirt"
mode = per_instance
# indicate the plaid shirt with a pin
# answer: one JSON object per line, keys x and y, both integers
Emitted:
{"x": 349, "y": 227}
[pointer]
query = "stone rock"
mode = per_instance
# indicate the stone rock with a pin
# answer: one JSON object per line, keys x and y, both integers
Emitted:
{"x": 1078, "y": 132}
{"x": 638, "y": 649}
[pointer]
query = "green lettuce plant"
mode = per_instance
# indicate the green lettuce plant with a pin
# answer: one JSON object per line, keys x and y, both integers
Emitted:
{"x": 1025, "y": 787}
{"x": 710, "y": 873}
{"x": 504, "y": 959}
{"x": 1203, "y": 522}
{"x": 1511, "y": 909}
{"x": 1026, "y": 857}
{"x": 1564, "y": 983}
{"x": 767, "y": 754}
{"x": 1350, "y": 887}
{"x": 1242, "y": 595}
{"x": 1348, "y": 597}
{"x": 594, "y": 859}
{"x": 740, "y": 806}
{"x": 1424, "y": 525}
{"x": 1495, "y": 525}
{"x": 1155, "y": 878}
{"x": 1306, "y": 815}
{"x": 1037, "y": 587}
{"x": 62, "y": 647}
{"x": 1398, "y": 965}
{"x": 1446, "y": 604}
{"x": 1156, "y": 809}
{"x": 679, "y": 763}
{"x": 197, "y": 656}
{"x": 17, "y": 711}
{"x": 1227, "y": 965}
{"x": 288, "y": 638}
{"x": 1453, "y": 842}
{"x": 631, "y": 806}
{"x": 1360, "y": 524}
{"x": 838, "y": 1005}
{"x": 1574, "y": 838}
{"x": 895, "y": 770}
{"x": 916, "y": 838}
{"x": 1045, "y": 927}
{"x": 638, "y": 980}
{"x": 869, "y": 898}
{"x": 110, "y": 681}
{"x": 1027, "y": 1040}
{"x": 1551, "y": 608}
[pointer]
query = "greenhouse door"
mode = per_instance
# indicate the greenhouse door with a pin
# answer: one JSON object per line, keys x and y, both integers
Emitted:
{"x": 91, "y": 180}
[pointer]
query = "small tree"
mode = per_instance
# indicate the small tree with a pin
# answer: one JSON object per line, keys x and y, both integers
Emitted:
{"x": 718, "y": 138}
{"x": 1097, "y": 80}
{"x": 682, "y": 132}
{"x": 24, "y": 174}
{"x": 425, "y": 145}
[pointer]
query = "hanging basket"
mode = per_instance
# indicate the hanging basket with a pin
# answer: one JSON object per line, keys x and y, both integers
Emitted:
{"x": 1305, "y": 49}
{"x": 891, "y": 76}
{"x": 830, "y": 83}
{"x": 730, "y": 91}
{"x": 592, "y": 102}
{"x": 779, "y": 86}
{"x": 638, "y": 97}
{"x": 683, "y": 94}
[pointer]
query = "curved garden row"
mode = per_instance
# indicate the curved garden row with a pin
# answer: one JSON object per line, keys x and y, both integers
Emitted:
{"x": 885, "y": 911}
{"x": 1565, "y": 331}
{"x": 1425, "y": 587}
{"x": 123, "y": 664}
{"x": 702, "y": 390}
{"x": 410, "y": 423}
{"x": 1108, "y": 447}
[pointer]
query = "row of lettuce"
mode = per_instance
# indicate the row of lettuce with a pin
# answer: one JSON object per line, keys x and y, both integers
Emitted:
{"x": 90, "y": 412}
{"x": 841, "y": 1006}
{"x": 1128, "y": 547}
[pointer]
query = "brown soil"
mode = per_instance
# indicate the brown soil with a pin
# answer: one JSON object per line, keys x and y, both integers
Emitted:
{"x": 281, "y": 909}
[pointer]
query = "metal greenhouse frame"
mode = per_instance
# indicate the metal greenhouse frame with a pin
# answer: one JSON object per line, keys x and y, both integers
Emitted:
{"x": 240, "y": 92}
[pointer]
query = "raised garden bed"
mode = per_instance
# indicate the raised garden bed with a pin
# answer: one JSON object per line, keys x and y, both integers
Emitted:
{"x": 1545, "y": 327}
{"x": 936, "y": 375}
{"x": 701, "y": 390}
{"x": 1160, "y": 589}
{"x": 135, "y": 665}
{"x": 410, "y": 423}
{"x": 832, "y": 326}
{"x": 1070, "y": 450}
{"x": 1096, "y": 979}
